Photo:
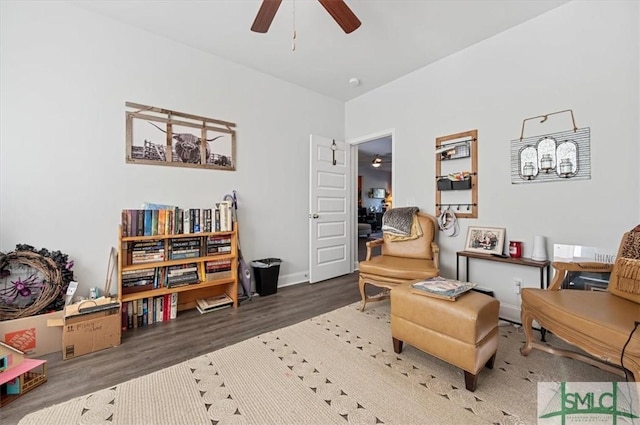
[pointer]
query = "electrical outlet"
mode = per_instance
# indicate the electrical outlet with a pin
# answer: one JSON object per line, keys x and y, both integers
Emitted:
{"x": 517, "y": 285}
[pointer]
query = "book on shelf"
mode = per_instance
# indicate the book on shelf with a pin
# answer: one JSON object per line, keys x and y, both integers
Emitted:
{"x": 219, "y": 250}
{"x": 174, "y": 305}
{"x": 217, "y": 245}
{"x": 205, "y": 305}
{"x": 132, "y": 289}
{"x": 146, "y": 311}
{"x": 225, "y": 208}
{"x": 162, "y": 215}
{"x": 186, "y": 222}
{"x": 175, "y": 243}
{"x": 139, "y": 313}
{"x": 208, "y": 220}
{"x": 158, "y": 309}
{"x": 186, "y": 253}
{"x": 154, "y": 222}
{"x": 182, "y": 274}
{"x": 216, "y": 218}
{"x": 217, "y": 269}
{"x": 441, "y": 287}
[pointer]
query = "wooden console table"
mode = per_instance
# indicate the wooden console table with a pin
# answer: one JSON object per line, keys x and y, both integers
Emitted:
{"x": 542, "y": 265}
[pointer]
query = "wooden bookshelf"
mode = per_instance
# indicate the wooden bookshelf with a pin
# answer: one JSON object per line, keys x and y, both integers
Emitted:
{"x": 187, "y": 294}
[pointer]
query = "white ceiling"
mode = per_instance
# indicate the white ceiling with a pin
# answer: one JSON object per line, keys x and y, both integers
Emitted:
{"x": 396, "y": 36}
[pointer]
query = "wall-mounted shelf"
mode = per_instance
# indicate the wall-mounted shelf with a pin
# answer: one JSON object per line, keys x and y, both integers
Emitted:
{"x": 457, "y": 153}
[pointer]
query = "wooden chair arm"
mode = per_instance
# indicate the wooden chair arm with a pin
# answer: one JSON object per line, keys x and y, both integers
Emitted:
{"x": 436, "y": 254}
{"x": 372, "y": 244}
{"x": 563, "y": 267}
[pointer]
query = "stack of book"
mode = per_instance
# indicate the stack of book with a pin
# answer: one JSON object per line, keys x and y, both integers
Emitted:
{"x": 146, "y": 252}
{"x": 217, "y": 269}
{"x": 138, "y": 280}
{"x": 182, "y": 274}
{"x": 217, "y": 245}
{"x": 184, "y": 248}
{"x": 218, "y": 302}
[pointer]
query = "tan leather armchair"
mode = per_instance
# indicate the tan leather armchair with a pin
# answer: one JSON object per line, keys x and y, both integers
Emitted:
{"x": 400, "y": 261}
{"x": 600, "y": 323}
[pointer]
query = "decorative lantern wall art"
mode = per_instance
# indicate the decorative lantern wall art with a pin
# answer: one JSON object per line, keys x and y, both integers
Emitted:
{"x": 553, "y": 157}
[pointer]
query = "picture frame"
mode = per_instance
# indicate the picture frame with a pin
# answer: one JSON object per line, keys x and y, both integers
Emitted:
{"x": 378, "y": 193}
{"x": 156, "y": 136}
{"x": 485, "y": 240}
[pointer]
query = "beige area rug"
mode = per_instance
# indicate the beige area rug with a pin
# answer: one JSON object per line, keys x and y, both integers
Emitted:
{"x": 336, "y": 368}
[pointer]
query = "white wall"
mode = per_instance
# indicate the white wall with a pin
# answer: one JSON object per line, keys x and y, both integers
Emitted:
{"x": 582, "y": 56}
{"x": 65, "y": 75}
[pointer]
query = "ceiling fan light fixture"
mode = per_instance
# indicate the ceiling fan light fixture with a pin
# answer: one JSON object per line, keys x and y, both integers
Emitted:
{"x": 377, "y": 161}
{"x": 338, "y": 10}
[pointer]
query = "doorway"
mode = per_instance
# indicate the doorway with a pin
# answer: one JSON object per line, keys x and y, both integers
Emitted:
{"x": 373, "y": 178}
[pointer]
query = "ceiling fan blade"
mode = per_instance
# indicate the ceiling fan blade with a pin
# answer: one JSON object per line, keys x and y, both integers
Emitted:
{"x": 341, "y": 13}
{"x": 265, "y": 15}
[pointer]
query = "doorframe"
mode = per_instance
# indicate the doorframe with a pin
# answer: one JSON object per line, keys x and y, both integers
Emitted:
{"x": 354, "y": 142}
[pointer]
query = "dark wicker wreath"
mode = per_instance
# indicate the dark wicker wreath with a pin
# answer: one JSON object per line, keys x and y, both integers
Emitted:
{"x": 46, "y": 291}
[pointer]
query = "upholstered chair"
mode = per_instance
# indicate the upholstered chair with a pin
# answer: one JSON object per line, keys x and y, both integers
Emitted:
{"x": 399, "y": 261}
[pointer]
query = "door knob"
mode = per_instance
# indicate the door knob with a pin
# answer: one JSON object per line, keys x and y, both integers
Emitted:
{"x": 314, "y": 216}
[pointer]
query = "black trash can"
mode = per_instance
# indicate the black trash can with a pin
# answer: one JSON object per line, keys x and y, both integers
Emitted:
{"x": 266, "y": 272}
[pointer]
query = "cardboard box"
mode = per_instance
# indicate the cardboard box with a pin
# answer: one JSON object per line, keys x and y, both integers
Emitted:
{"x": 32, "y": 335}
{"x": 87, "y": 328}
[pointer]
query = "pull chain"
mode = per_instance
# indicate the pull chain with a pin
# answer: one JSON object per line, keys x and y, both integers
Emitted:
{"x": 293, "y": 41}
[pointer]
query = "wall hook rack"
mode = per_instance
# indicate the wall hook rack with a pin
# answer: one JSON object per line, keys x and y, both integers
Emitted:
{"x": 455, "y": 153}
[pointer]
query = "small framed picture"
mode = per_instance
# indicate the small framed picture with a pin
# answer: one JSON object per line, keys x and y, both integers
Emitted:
{"x": 379, "y": 193}
{"x": 485, "y": 240}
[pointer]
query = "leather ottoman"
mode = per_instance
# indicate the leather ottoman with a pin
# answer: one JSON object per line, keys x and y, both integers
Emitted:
{"x": 463, "y": 332}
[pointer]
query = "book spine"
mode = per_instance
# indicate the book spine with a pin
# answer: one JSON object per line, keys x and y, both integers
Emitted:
{"x": 133, "y": 221}
{"x": 183, "y": 255}
{"x": 207, "y": 220}
{"x": 150, "y": 310}
{"x": 174, "y": 306}
{"x": 148, "y": 215}
{"x": 145, "y": 312}
{"x": 125, "y": 224}
{"x": 140, "y": 227}
{"x": 216, "y": 217}
{"x": 167, "y": 307}
{"x": 129, "y": 314}
{"x": 195, "y": 220}
{"x": 158, "y": 309}
{"x": 186, "y": 222}
{"x": 162, "y": 215}
{"x": 154, "y": 222}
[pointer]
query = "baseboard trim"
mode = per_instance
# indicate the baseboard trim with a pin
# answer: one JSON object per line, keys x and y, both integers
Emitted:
{"x": 292, "y": 279}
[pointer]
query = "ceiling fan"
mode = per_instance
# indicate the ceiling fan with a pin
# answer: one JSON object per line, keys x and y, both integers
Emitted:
{"x": 378, "y": 160}
{"x": 338, "y": 10}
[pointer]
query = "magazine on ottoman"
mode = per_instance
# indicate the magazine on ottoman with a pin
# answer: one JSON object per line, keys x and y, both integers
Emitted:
{"x": 441, "y": 287}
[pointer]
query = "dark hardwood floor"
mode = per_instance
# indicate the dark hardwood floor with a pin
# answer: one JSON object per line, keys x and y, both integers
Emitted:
{"x": 146, "y": 350}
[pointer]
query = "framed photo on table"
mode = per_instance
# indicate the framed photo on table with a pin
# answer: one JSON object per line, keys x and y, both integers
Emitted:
{"x": 485, "y": 240}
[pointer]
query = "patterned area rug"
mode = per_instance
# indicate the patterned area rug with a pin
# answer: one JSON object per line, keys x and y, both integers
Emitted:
{"x": 335, "y": 368}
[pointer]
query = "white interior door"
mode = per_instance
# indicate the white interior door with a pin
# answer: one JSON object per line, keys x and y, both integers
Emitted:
{"x": 329, "y": 209}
